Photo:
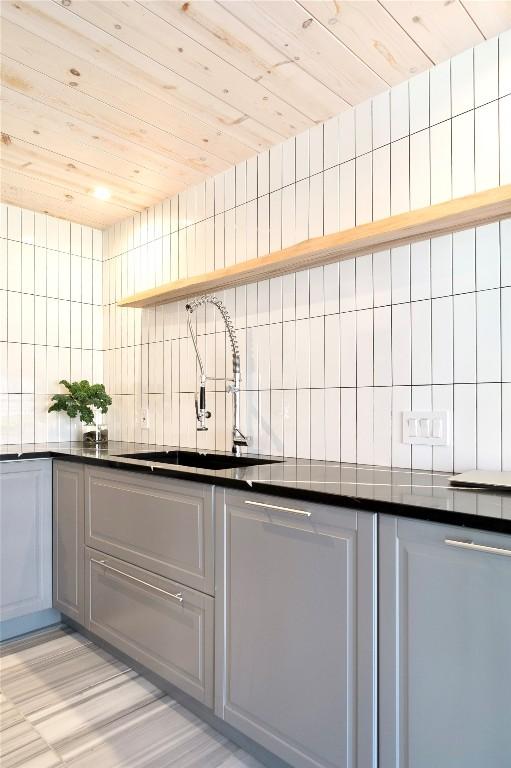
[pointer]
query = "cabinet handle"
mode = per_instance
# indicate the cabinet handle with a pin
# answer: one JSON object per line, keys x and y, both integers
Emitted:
{"x": 291, "y": 510}
{"x": 477, "y": 547}
{"x": 178, "y": 596}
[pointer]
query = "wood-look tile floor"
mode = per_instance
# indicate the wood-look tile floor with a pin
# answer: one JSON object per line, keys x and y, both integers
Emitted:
{"x": 66, "y": 702}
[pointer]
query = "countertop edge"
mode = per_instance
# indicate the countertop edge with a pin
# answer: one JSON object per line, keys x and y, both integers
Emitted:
{"x": 419, "y": 511}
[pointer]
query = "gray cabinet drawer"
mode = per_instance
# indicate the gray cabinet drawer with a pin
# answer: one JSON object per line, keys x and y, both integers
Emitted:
{"x": 159, "y": 524}
{"x": 161, "y": 624}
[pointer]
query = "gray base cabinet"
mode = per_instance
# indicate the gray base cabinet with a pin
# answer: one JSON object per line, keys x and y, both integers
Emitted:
{"x": 445, "y": 646}
{"x": 161, "y": 624}
{"x": 68, "y": 539}
{"x": 25, "y": 545}
{"x": 296, "y": 653}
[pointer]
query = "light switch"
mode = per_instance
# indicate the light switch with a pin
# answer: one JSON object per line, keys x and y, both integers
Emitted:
{"x": 425, "y": 427}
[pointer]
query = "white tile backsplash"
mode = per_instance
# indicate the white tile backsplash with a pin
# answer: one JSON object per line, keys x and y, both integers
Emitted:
{"x": 49, "y": 312}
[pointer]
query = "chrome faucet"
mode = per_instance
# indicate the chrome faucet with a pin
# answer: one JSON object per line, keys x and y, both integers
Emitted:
{"x": 239, "y": 440}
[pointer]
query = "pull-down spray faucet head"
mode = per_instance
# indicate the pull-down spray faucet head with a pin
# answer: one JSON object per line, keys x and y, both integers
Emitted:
{"x": 239, "y": 440}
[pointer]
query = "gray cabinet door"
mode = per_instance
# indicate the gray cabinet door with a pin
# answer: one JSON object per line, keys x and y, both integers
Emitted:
{"x": 296, "y": 654}
{"x": 68, "y": 544}
{"x": 160, "y": 524}
{"x": 25, "y": 538}
{"x": 159, "y": 623}
{"x": 445, "y": 646}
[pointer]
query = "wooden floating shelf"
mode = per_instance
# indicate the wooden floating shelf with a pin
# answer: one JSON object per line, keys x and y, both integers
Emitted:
{"x": 443, "y": 218}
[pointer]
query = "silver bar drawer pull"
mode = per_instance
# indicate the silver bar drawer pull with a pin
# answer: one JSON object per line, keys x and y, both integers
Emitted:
{"x": 477, "y": 547}
{"x": 291, "y": 510}
{"x": 178, "y": 596}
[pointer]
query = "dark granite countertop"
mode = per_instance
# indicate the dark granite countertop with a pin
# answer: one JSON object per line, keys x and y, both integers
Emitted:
{"x": 417, "y": 494}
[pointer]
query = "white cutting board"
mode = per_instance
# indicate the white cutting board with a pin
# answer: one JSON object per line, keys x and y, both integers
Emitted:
{"x": 482, "y": 478}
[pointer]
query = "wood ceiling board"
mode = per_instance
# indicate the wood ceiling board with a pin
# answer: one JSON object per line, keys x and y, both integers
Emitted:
{"x": 291, "y": 29}
{"x": 22, "y": 190}
{"x": 441, "y": 29}
{"x": 200, "y": 145}
{"x": 19, "y": 109}
{"x": 146, "y": 33}
{"x": 79, "y": 105}
{"x": 490, "y": 17}
{"x": 73, "y": 176}
{"x": 211, "y": 25}
{"x": 102, "y": 162}
{"x": 373, "y": 35}
{"x": 433, "y": 221}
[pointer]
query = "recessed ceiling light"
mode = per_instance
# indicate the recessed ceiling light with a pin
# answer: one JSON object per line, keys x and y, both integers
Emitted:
{"x": 102, "y": 193}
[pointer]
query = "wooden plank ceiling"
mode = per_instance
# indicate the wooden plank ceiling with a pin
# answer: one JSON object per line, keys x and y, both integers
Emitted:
{"x": 148, "y": 97}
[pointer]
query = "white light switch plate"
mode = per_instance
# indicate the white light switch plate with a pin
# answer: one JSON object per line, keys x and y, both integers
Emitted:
{"x": 425, "y": 427}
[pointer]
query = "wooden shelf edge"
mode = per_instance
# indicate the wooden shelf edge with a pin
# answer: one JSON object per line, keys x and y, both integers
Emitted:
{"x": 433, "y": 221}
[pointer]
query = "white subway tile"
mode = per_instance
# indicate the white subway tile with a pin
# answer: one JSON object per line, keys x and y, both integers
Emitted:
{"x": 364, "y": 189}
{"x": 303, "y": 444}
{"x": 488, "y": 336}
{"x": 486, "y": 71}
{"x": 440, "y": 143}
{"x": 316, "y": 149}
{"x": 488, "y": 256}
{"x": 364, "y": 281}
{"x": 421, "y": 342}
{"x": 419, "y": 102}
{"x": 348, "y": 342}
{"x": 347, "y": 194}
{"x": 401, "y": 344}
{"x": 365, "y": 348}
{"x": 487, "y": 146}
{"x": 381, "y": 183}
{"x": 443, "y": 400}
{"x": 317, "y": 416}
{"x": 381, "y": 278}
{"x": 365, "y": 425}
{"x": 277, "y": 423}
{"x": 333, "y": 424}
{"x": 382, "y": 347}
{"x": 422, "y": 400}
{"x": 505, "y": 144}
{"x": 505, "y": 303}
{"x": 348, "y": 424}
{"x": 400, "y": 176}
{"x": 316, "y": 207}
{"x": 442, "y": 340}
{"x": 463, "y": 261}
{"x": 401, "y": 401}
{"x": 347, "y": 135}
{"x": 465, "y": 338}
{"x": 303, "y": 359}
{"x": 420, "y": 270}
{"x": 399, "y": 112}
{"x": 331, "y": 143}
{"x": 382, "y": 426}
{"x": 462, "y": 77}
{"x": 464, "y": 430}
{"x": 420, "y": 165}
{"x": 331, "y": 198}
{"x": 489, "y": 426}
{"x": 275, "y": 167}
{"x": 400, "y": 272}
{"x": 302, "y": 155}
{"x": 332, "y": 351}
{"x": 463, "y": 171}
{"x": 441, "y": 266}
{"x": 381, "y": 119}
{"x": 440, "y": 92}
{"x": 363, "y": 128}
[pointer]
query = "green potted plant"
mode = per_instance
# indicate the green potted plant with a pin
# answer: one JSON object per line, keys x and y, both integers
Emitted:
{"x": 83, "y": 400}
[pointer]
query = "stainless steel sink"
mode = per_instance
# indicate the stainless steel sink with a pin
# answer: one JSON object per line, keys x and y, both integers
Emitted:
{"x": 214, "y": 461}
